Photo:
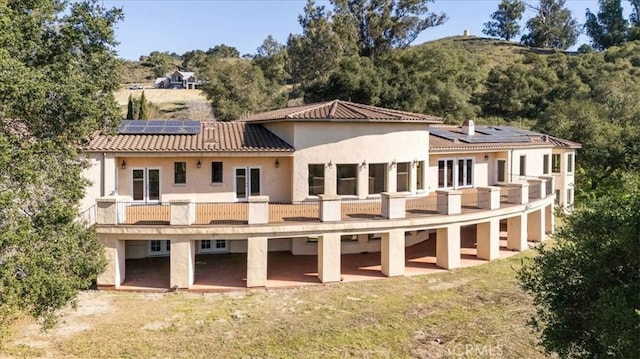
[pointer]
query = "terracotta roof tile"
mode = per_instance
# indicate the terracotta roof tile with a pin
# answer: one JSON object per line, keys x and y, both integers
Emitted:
{"x": 339, "y": 110}
{"x": 213, "y": 137}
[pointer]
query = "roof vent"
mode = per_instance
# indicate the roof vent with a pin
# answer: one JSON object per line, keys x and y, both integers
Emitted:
{"x": 468, "y": 128}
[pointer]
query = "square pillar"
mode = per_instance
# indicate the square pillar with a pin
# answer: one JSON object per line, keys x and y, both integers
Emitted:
{"x": 363, "y": 239}
{"x": 393, "y": 205}
{"x": 517, "y": 232}
{"x": 107, "y": 210}
{"x": 488, "y": 239}
{"x": 550, "y": 185}
{"x": 257, "y": 252}
{"x": 182, "y": 263}
{"x": 449, "y": 202}
{"x": 330, "y": 208}
{"x": 518, "y": 193}
{"x": 182, "y": 212}
{"x": 536, "y": 226}
{"x": 549, "y": 219}
{"x": 392, "y": 253}
{"x": 258, "y": 210}
{"x": 329, "y": 257}
{"x": 448, "y": 247}
{"x": 488, "y": 197}
{"x": 114, "y": 273}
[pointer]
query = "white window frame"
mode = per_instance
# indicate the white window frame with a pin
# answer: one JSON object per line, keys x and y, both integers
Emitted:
{"x": 570, "y": 163}
{"x": 214, "y": 248}
{"x": 174, "y": 173}
{"x": 222, "y": 174}
{"x": 324, "y": 179}
{"x": 247, "y": 182}
{"x": 453, "y": 176}
{"x": 464, "y": 169}
{"x": 559, "y": 157}
{"x": 145, "y": 184}
{"x": 505, "y": 171}
{"x": 165, "y": 248}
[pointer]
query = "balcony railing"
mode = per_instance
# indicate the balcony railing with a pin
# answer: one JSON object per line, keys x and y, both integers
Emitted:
{"x": 328, "y": 209}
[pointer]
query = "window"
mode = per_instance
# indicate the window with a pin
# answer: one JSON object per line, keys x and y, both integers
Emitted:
{"x": 523, "y": 165}
{"x": 555, "y": 163}
{"x": 347, "y": 180}
{"x": 213, "y": 246}
{"x": 402, "y": 176}
{"x": 420, "y": 175}
{"x": 216, "y": 172}
{"x": 465, "y": 172}
{"x": 557, "y": 199}
{"x": 316, "y": 179}
{"x": 179, "y": 172}
{"x": 159, "y": 248}
{"x": 569, "y": 163}
{"x": 445, "y": 173}
{"x": 502, "y": 171}
{"x": 545, "y": 165}
{"x": 377, "y": 178}
{"x": 254, "y": 185}
{"x": 569, "y": 197}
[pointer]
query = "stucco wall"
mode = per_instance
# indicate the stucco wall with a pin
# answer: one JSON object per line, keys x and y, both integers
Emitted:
{"x": 353, "y": 143}
{"x": 99, "y": 185}
{"x": 274, "y": 181}
{"x": 564, "y": 180}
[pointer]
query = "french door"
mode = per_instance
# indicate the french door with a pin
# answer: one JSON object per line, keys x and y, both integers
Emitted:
{"x": 247, "y": 182}
{"x": 501, "y": 173}
{"x": 145, "y": 185}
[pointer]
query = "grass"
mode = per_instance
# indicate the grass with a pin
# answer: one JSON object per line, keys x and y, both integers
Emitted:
{"x": 471, "y": 312}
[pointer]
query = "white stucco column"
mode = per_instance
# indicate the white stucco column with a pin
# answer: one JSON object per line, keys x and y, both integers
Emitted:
{"x": 536, "y": 226}
{"x": 257, "y": 252}
{"x": 448, "y": 246}
{"x": 517, "y": 232}
{"x": 258, "y": 210}
{"x": 392, "y": 178}
{"x": 549, "y": 219}
{"x": 449, "y": 202}
{"x": 182, "y": 212}
{"x": 488, "y": 197}
{"x": 107, "y": 210}
{"x": 488, "y": 239}
{"x": 518, "y": 193}
{"x": 182, "y": 263}
{"x": 114, "y": 273}
{"x": 392, "y": 253}
{"x": 330, "y": 208}
{"x": 393, "y": 205}
{"x": 329, "y": 257}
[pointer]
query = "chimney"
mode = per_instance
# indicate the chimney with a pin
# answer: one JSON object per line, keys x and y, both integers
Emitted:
{"x": 468, "y": 128}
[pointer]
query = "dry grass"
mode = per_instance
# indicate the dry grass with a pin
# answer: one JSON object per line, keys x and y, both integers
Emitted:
{"x": 161, "y": 96}
{"x": 471, "y": 312}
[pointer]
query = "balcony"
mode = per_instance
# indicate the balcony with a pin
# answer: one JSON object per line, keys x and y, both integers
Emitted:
{"x": 259, "y": 211}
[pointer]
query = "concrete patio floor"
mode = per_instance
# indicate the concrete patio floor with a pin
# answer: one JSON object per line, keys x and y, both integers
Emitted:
{"x": 227, "y": 272}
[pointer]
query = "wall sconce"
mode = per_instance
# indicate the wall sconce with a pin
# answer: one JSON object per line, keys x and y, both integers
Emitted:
{"x": 123, "y": 164}
{"x": 486, "y": 157}
{"x": 277, "y": 163}
{"x": 364, "y": 163}
{"x": 330, "y": 164}
{"x": 199, "y": 164}
{"x": 393, "y": 163}
{"x": 414, "y": 163}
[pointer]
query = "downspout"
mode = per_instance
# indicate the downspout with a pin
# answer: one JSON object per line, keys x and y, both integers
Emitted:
{"x": 511, "y": 167}
{"x": 102, "y": 175}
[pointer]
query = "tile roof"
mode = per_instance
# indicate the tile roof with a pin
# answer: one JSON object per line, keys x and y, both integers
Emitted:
{"x": 338, "y": 110}
{"x": 213, "y": 137}
{"x": 452, "y": 138}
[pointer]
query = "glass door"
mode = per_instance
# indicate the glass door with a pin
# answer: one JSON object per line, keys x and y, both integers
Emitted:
{"x": 501, "y": 177}
{"x": 247, "y": 182}
{"x": 145, "y": 186}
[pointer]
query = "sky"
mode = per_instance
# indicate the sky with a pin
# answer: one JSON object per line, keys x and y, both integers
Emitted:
{"x": 182, "y": 25}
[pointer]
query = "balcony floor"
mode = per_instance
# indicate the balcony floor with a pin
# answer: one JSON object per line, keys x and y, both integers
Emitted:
{"x": 227, "y": 272}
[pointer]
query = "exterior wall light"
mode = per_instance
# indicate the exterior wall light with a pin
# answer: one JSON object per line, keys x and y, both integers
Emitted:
{"x": 330, "y": 164}
{"x": 486, "y": 157}
{"x": 277, "y": 163}
{"x": 393, "y": 163}
{"x": 123, "y": 164}
{"x": 364, "y": 163}
{"x": 199, "y": 164}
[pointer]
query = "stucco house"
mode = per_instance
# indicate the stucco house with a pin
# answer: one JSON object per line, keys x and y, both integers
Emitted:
{"x": 318, "y": 181}
{"x": 177, "y": 80}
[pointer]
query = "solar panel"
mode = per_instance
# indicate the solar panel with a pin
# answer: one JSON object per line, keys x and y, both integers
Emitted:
{"x": 159, "y": 127}
{"x": 484, "y": 134}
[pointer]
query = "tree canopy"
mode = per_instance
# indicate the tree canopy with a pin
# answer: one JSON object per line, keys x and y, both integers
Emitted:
{"x": 504, "y": 22}
{"x": 56, "y": 88}
{"x": 609, "y": 27}
{"x": 585, "y": 287}
{"x": 553, "y": 26}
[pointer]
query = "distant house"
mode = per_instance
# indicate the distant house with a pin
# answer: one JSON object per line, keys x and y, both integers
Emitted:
{"x": 178, "y": 80}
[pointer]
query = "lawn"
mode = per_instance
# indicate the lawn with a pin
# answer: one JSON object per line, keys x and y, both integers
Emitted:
{"x": 475, "y": 312}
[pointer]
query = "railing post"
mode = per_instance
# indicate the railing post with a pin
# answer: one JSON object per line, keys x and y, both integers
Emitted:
{"x": 258, "y": 210}
{"x": 182, "y": 212}
{"x": 488, "y": 197}
{"x": 107, "y": 210}
{"x": 449, "y": 201}
{"x": 518, "y": 193}
{"x": 393, "y": 205}
{"x": 550, "y": 185}
{"x": 330, "y": 208}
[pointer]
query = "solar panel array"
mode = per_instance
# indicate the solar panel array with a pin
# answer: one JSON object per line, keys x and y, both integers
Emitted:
{"x": 159, "y": 127}
{"x": 497, "y": 134}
